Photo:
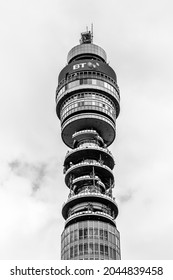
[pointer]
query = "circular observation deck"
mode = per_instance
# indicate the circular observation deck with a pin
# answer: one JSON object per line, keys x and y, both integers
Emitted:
{"x": 85, "y": 168}
{"x": 89, "y": 197}
{"x": 89, "y": 135}
{"x": 92, "y": 182}
{"x": 89, "y": 215}
{"x": 84, "y": 51}
{"x": 102, "y": 124}
{"x": 91, "y": 152}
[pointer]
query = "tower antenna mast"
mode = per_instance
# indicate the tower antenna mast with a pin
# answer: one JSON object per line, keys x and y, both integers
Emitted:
{"x": 92, "y": 32}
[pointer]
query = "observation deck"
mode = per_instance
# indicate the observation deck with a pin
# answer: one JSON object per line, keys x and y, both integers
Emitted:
{"x": 86, "y": 167}
{"x": 91, "y": 152}
{"x": 91, "y": 198}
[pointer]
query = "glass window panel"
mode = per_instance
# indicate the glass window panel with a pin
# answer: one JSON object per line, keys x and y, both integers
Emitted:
{"x": 75, "y": 250}
{"x": 65, "y": 241}
{"x": 111, "y": 252}
{"x": 71, "y": 252}
{"x": 80, "y": 249}
{"x": 90, "y": 232}
{"x": 71, "y": 236}
{"x": 75, "y": 235}
{"x": 114, "y": 239}
{"x": 94, "y": 82}
{"x": 68, "y": 238}
{"x": 80, "y": 233}
{"x": 106, "y": 250}
{"x": 114, "y": 253}
{"x": 95, "y": 232}
{"x": 101, "y": 249}
{"x": 85, "y": 233}
{"x": 105, "y": 85}
{"x": 86, "y": 248}
{"x": 110, "y": 237}
{"x": 90, "y": 248}
{"x": 96, "y": 248}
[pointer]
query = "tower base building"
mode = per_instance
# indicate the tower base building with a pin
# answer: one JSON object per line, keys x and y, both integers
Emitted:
{"x": 87, "y": 104}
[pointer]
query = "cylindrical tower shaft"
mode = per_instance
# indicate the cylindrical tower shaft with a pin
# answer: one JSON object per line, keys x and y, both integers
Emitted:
{"x": 87, "y": 99}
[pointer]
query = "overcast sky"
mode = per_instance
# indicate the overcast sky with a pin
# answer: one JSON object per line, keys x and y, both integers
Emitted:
{"x": 35, "y": 39}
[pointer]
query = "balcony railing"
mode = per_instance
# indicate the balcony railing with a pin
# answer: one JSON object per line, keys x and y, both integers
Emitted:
{"x": 89, "y": 147}
{"x": 89, "y": 212}
{"x": 86, "y": 177}
{"x": 87, "y": 163}
{"x": 93, "y": 194}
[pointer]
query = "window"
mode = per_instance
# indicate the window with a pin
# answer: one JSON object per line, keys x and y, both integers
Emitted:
{"x": 101, "y": 249}
{"x": 114, "y": 254}
{"x": 80, "y": 249}
{"x": 80, "y": 233}
{"x": 94, "y": 82}
{"x": 90, "y": 232}
{"x": 71, "y": 236}
{"x": 91, "y": 248}
{"x": 75, "y": 235}
{"x": 101, "y": 233}
{"x": 75, "y": 250}
{"x": 95, "y": 232}
{"x": 86, "y": 248}
{"x": 111, "y": 252}
{"x": 85, "y": 233}
{"x": 106, "y": 250}
{"x": 105, "y": 235}
{"x": 96, "y": 248}
{"x": 113, "y": 238}
{"x": 71, "y": 252}
{"x": 110, "y": 237}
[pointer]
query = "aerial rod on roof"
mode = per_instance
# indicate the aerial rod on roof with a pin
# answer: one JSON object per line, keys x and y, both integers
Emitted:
{"x": 92, "y": 32}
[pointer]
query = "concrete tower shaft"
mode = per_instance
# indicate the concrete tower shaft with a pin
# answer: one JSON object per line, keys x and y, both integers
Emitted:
{"x": 87, "y": 99}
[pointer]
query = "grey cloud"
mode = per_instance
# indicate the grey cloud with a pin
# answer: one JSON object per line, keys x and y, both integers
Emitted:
{"x": 126, "y": 197}
{"x": 35, "y": 172}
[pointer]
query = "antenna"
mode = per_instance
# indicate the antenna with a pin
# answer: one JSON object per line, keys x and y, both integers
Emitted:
{"x": 92, "y": 32}
{"x": 87, "y": 36}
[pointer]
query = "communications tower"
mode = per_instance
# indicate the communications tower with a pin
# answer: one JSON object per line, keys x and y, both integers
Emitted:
{"x": 87, "y": 104}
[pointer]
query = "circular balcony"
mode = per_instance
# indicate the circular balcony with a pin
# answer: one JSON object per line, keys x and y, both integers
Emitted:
{"x": 95, "y": 152}
{"x": 89, "y": 197}
{"x": 89, "y": 215}
{"x": 87, "y": 134}
{"x": 89, "y": 180}
{"x": 103, "y": 125}
{"x": 85, "y": 168}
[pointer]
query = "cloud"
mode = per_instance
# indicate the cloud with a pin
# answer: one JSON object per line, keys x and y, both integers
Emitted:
{"x": 126, "y": 197}
{"x": 35, "y": 173}
{"x": 30, "y": 201}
